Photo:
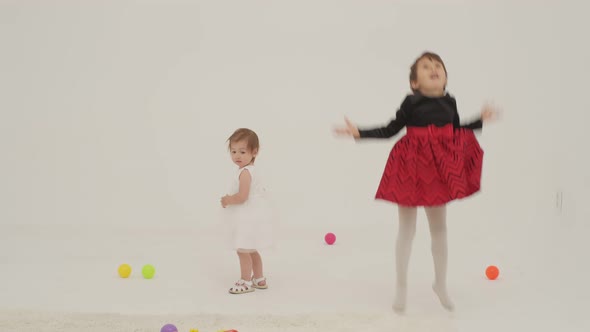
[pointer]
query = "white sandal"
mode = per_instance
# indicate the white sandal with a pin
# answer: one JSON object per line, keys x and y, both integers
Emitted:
{"x": 256, "y": 283}
{"x": 242, "y": 286}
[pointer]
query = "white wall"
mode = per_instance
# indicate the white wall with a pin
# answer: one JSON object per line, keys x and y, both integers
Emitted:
{"x": 117, "y": 112}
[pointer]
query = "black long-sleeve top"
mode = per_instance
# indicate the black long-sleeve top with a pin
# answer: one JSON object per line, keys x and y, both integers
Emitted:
{"x": 421, "y": 111}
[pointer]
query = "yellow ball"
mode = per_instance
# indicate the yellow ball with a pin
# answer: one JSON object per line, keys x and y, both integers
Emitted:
{"x": 124, "y": 271}
{"x": 194, "y": 330}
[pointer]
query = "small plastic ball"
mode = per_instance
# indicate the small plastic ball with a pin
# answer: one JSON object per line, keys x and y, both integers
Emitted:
{"x": 169, "y": 328}
{"x": 492, "y": 272}
{"x": 148, "y": 271}
{"x": 330, "y": 238}
{"x": 124, "y": 271}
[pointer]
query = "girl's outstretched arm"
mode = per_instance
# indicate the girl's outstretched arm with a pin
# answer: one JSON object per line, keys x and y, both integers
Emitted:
{"x": 394, "y": 126}
{"x": 387, "y": 131}
{"x": 390, "y": 130}
{"x": 488, "y": 113}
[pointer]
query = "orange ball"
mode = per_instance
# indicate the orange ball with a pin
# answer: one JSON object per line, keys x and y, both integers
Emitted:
{"x": 492, "y": 272}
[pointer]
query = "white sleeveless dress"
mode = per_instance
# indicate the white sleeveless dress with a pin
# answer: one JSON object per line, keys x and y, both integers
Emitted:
{"x": 251, "y": 224}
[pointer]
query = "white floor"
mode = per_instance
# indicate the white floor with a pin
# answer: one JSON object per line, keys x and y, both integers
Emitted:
{"x": 64, "y": 278}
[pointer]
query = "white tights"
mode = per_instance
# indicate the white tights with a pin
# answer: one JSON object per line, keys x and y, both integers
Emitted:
{"x": 438, "y": 233}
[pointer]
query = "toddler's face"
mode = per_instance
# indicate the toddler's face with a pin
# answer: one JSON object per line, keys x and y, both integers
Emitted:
{"x": 240, "y": 154}
{"x": 431, "y": 78}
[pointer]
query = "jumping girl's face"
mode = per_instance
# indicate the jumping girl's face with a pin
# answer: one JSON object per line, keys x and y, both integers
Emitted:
{"x": 241, "y": 155}
{"x": 431, "y": 78}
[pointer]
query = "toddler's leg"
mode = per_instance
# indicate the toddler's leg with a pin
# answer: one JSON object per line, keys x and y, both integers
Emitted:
{"x": 437, "y": 219}
{"x": 257, "y": 269}
{"x": 244, "y": 285}
{"x": 405, "y": 236}
{"x": 245, "y": 265}
{"x": 256, "y": 264}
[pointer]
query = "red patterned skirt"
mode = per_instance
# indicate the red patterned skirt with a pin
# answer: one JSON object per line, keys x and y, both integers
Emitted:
{"x": 431, "y": 166}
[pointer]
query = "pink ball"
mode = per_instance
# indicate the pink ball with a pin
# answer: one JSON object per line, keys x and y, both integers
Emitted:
{"x": 330, "y": 238}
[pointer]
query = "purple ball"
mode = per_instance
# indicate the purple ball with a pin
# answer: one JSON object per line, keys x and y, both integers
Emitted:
{"x": 169, "y": 328}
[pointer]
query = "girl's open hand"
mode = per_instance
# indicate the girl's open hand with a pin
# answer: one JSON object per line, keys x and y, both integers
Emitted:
{"x": 349, "y": 130}
{"x": 489, "y": 112}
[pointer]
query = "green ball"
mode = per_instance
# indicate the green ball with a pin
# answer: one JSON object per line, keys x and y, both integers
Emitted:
{"x": 148, "y": 271}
